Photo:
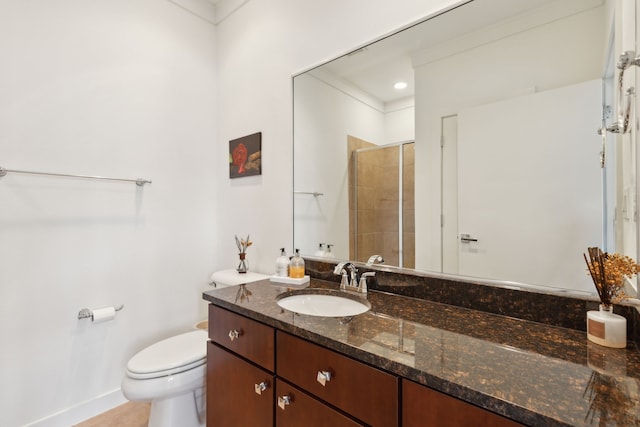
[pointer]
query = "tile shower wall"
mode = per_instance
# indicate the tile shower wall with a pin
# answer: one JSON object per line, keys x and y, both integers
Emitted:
{"x": 353, "y": 144}
{"x": 408, "y": 206}
{"x": 374, "y": 202}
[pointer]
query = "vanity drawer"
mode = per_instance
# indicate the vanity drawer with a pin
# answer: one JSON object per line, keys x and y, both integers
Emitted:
{"x": 301, "y": 409}
{"x": 424, "y": 407}
{"x": 248, "y": 338}
{"x": 365, "y": 392}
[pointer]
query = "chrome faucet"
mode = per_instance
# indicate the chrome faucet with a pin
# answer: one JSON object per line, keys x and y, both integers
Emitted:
{"x": 350, "y": 279}
{"x": 375, "y": 259}
{"x": 362, "y": 285}
{"x": 349, "y": 274}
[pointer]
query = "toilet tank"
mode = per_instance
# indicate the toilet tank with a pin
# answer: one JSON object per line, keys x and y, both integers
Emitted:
{"x": 231, "y": 277}
{"x": 224, "y": 278}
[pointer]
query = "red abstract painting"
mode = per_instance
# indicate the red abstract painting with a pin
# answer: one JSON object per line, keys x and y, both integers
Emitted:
{"x": 245, "y": 156}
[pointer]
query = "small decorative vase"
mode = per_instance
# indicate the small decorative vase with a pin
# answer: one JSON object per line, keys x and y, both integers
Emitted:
{"x": 606, "y": 328}
{"x": 243, "y": 266}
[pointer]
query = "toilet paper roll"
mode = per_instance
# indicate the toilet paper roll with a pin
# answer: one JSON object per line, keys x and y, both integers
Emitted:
{"x": 105, "y": 314}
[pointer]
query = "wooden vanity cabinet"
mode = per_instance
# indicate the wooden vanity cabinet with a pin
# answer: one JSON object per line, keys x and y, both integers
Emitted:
{"x": 242, "y": 355}
{"x": 424, "y": 407}
{"x": 360, "y": 390}
{"x": 240, "y": 366}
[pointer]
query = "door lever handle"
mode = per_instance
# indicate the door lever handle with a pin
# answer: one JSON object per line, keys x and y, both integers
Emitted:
{"x": 466, "y": 238}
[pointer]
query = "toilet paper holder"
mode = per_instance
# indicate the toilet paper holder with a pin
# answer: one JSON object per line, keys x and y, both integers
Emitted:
{"x": 86, "y": 313}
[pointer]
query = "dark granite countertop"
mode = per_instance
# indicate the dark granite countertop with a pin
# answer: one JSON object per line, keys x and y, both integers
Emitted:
{"x": 534, "y": 373}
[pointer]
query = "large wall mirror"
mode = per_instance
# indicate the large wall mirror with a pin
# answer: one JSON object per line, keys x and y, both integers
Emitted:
{"x": 486, "y": 162}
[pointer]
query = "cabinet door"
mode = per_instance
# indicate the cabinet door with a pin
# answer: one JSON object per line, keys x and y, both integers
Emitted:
{"x": 301, "y": 409}
{"x": 235, "y": 396}
{"x": 362, "y": 391}
{"x": 424, "y": 407}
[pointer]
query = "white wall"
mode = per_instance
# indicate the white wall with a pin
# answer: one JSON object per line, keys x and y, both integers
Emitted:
{"x": 261, "y": 46}
{"x": 400, "y": 118}
{"x": 115, "y": 88}
{"x": 324, "y": 117}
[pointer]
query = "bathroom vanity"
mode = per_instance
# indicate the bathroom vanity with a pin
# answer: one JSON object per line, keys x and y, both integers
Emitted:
{"x": 250, "y": 362}
{"x": 406, "y": 362}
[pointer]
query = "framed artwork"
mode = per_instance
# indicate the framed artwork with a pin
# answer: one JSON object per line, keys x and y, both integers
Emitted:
{"x": 245, "y": 156}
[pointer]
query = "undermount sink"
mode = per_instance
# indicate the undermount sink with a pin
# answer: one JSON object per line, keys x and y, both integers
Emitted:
{"x": 323, "y": 302}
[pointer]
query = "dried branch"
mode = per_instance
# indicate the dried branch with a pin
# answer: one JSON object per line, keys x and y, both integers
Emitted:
{"x": 608, "y": 272}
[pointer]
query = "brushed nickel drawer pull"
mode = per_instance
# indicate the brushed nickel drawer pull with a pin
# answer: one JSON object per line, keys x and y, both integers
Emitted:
{"x": 283, "y": 401}
{"x": 323, "y": 377}
{"x": 234, "y": 334}
{"x": 259, "y": 388}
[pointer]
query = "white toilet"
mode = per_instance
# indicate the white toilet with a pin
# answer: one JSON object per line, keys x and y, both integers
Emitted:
{"x": 171, "y": 374}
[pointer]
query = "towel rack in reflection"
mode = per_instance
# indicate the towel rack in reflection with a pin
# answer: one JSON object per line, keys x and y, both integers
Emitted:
{"x": 139, "y": 181}
{"x": 314, "y": 193}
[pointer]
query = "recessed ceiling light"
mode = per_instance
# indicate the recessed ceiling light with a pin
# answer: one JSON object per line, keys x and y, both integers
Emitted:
{"x": 400, "y": 85}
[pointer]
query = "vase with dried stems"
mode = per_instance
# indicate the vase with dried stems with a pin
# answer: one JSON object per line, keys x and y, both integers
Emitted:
{"x": 608, "y": 272}
{"x": 242, "y": 245}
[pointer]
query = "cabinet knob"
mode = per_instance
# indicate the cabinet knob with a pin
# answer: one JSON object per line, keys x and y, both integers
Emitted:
{"x": 283, "y": 401}
{"x": 259, "y": 388}
{"x": 234, "y": 334}
{"x": 323, "y": 377}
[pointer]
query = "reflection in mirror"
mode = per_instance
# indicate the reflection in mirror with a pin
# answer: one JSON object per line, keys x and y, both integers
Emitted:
{"x": 487, "y": 164}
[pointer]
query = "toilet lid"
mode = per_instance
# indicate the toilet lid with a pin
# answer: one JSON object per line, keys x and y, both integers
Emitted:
{"x": 170, "y": 356}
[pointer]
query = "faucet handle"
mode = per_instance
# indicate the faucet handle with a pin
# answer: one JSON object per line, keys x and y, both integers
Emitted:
{"x": 339, "y": 268}
{"x": 363, "y": 281}
{"x": 375, "y": 259}
{"x": 349, "y": 274}
{"x": 345, "y": 280}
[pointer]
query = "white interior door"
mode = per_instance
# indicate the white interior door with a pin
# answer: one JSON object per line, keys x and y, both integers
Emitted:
{"x": 530, "y": 186}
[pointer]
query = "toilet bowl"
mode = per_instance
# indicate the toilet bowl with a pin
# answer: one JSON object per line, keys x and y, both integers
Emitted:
{"x": 171, "y": 375}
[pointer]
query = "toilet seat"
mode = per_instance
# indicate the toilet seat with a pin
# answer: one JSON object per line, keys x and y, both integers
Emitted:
{"x": 171, "y": 356}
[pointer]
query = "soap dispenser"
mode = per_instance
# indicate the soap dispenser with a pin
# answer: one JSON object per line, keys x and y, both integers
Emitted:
{"x": 328, "y": 253}
{"x": 320, "y": 252}
{"x": 282, "y": 264}
{"x": 296, "y": 267}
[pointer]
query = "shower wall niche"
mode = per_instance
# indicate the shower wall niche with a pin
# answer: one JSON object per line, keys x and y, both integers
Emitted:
{"x": 381, "y": 202}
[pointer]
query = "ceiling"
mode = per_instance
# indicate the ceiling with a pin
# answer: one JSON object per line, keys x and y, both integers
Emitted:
{"x": 375, "y": 68}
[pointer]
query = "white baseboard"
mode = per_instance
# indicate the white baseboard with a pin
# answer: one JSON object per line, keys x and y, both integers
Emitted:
{"x": 82, "y": 411}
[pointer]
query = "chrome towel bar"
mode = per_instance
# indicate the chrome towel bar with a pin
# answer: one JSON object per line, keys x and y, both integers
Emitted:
{"x": 139, "y": 181}
{"x": 313, "y": 193}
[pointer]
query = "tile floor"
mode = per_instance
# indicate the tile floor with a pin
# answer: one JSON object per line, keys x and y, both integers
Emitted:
{"x": 130, "y": 414}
